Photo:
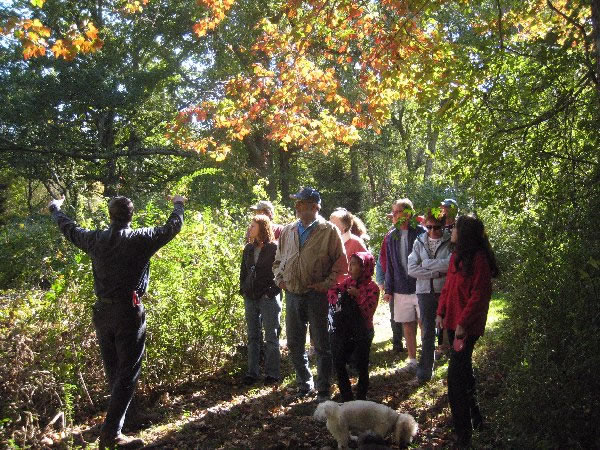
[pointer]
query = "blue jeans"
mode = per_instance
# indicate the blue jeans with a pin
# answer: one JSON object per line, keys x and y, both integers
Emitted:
{"x": 428, "y": 304}
{"x": 121, "y": 334}
{"x": 310, "y": 310}
{"x": 268, "y": 312}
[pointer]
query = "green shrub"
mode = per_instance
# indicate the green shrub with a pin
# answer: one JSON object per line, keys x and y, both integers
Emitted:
{"x": 552, "y": 388}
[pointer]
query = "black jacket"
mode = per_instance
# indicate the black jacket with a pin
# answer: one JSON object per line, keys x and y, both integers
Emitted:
{"x": 264, "y": 283}
{"x": 120, "y": 255}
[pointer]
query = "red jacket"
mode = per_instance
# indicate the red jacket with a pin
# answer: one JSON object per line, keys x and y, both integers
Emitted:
{"x": 368, "y": 291}
{"x": 464, "y": 299}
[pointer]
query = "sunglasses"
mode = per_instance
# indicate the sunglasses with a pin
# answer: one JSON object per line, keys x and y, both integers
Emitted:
{"x": 433, "y": 227}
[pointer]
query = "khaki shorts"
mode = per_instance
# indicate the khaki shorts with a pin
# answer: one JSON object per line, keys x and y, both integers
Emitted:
{"x": 406, "y": 308}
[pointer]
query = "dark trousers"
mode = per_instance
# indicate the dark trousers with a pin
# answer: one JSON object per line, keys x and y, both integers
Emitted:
{"x": 397, "y": 330}
{"x": 342, "y": 351}
{"x": 461, "y": 388}
{"x": 121, "y": 334}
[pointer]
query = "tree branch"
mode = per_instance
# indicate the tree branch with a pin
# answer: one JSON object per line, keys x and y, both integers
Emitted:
{"x": 93, "y": 155}
{"x": 563, "y": 103}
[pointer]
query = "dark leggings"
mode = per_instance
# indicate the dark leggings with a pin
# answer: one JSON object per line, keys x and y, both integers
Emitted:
{"x": 461, "y": 388}
{"x": 342, "y": 351}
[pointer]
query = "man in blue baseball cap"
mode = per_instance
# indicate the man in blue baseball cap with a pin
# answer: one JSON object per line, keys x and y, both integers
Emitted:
{"x": 449, "y": 211}
{"x": 309, "y": 258}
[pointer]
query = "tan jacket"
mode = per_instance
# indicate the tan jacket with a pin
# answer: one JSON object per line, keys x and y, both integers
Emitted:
{"x": 321, "y": 259}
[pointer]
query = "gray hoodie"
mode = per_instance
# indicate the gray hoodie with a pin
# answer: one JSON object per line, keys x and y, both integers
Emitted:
{"x": 429, "y": 272}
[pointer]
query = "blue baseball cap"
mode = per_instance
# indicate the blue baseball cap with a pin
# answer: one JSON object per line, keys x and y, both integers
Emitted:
{"x": 308, "y": 194}
{"x": 450, "y": 202}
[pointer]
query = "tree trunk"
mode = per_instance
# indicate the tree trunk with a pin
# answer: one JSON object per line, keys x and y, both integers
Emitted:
{"x": 371, "y": 176}
{"x": 29, "y": 195}
{"x": 284, "y": 174}
{"x": 432, "y": 138}
{"x": 260, "y": 157}
{"x": 596, "y": 40}
{"x": 405, "y": 135}
{"x": 355, "y": 191}
{"x": 106, "y": 140}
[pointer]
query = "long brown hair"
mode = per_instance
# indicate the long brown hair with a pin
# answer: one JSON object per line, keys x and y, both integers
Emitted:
{"x": 265, "y": 233}
{"x": 472, "y": 238}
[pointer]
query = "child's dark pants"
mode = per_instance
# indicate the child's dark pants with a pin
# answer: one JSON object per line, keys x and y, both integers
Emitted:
{"x": 342, "y": 349}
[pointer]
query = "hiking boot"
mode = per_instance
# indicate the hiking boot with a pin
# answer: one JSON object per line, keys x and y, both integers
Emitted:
{"x": 249, "y": 380}
{"x": 119, "y": 441}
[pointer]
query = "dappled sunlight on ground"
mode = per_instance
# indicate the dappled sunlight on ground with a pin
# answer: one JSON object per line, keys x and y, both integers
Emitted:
{"x": 221, "y": 412}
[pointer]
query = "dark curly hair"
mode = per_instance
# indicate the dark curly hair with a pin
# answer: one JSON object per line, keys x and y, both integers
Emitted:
{"x": 471, "y": 239}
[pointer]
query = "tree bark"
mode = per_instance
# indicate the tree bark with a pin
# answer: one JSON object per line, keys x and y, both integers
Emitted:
{"x": 432, "y": 138}
{"x": 596, "y": 40}
{"x": 371, "y": 175}
{"x": 355, "y": 191}
{"x": 284, "y": 174}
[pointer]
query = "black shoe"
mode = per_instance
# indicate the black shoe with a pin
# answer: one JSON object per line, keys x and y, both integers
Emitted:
{"x": 119, "y": 441}
{"x": 249, "y": 380}
{"x": 269, "y": 381}
{"x": 303, "y": 393}
{"x": 463, "y": 440}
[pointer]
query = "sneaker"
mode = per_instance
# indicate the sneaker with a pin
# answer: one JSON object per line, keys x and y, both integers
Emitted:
{"x": 408, "y": 369}
{"x": 323, "y": 397}
{"x": 119, "y": 441}
{"x": 249, "y": 380}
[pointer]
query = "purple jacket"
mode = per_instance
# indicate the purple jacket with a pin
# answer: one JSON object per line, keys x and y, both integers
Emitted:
{"x": 396, "y": 278}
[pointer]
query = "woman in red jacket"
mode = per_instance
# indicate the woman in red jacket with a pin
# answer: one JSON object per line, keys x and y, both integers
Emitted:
{"x": 463, "y": 309}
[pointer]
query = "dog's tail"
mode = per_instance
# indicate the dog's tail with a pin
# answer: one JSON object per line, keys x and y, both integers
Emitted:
{"x": 405, "y": 429}
{"x": 326, "y": 409}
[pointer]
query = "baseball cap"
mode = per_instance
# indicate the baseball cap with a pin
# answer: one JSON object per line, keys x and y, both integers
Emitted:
{"x": 308, "y": 194}
{"x": 263, "y": 205}
{"x": 449, "y": 202}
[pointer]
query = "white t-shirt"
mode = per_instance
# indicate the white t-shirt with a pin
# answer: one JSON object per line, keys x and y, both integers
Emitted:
{"x": 432, "y": 246}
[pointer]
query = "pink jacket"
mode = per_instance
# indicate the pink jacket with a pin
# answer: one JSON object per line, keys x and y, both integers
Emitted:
{"x": 368, "y": 292}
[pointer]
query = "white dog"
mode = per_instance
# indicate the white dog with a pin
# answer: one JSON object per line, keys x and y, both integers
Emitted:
{"x": 363, "y": 415}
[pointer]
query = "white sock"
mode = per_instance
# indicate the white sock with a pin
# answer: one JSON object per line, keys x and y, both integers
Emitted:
{"x": 412, "y": 360}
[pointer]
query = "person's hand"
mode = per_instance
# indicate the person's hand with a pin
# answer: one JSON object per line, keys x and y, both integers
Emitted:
{"x": 460, "y": 332}
{"x": 177, "y": 198}
{"x": 56, "y": 202}
{"x": 387, "y": 297}
{"x": 353, "y": 291}
{"x": 439, "y": 322}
